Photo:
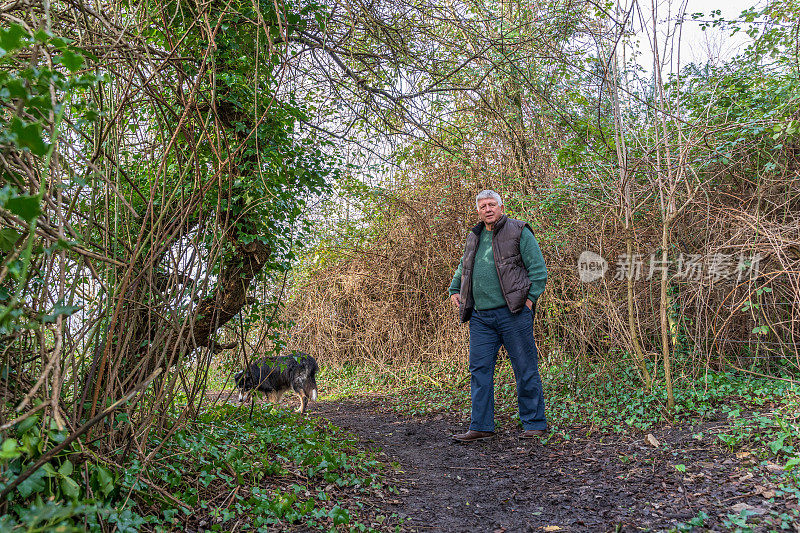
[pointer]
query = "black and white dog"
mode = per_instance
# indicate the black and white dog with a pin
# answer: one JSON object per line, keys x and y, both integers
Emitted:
{"x": 276, "y": 375}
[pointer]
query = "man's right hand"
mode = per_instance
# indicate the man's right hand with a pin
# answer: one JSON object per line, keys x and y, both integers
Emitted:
{"x": 456, "y": 299}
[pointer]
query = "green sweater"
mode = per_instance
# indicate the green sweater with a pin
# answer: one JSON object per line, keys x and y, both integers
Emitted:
{"x": 486, "y": 289}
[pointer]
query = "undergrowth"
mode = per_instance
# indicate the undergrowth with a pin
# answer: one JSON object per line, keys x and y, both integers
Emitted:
{"x": 272, "y": 471}
{"x": 733, "y": 409}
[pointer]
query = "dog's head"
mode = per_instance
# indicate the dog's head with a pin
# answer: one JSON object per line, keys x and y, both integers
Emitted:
{"x": 244, "y": 380}
{"x": 238, "y": 379}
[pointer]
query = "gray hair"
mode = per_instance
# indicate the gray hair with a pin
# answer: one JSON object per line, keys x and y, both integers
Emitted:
{"x": 488, "y": 193}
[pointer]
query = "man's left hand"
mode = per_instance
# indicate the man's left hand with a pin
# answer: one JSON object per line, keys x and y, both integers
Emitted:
{"x": 529, "y": 304}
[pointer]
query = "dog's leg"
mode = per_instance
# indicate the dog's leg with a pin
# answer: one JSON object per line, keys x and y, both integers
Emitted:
{"x": 275, "y": 396}
{"x": 303, "y": 404}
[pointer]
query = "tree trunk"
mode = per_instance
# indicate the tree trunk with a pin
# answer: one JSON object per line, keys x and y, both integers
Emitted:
{"x": 627, "y": 207}
{"x": 664, "y": 308}
{"x": 638, "y": 353}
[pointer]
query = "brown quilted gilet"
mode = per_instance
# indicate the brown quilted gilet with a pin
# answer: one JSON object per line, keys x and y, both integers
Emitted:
{"x": 508, "y": 260}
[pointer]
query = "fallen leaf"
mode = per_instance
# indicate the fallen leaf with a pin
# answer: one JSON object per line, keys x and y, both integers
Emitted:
{"x": 652, "y": 441}
{"x": 739, "y": 507}
{"x": 746, "y": 477}
{"x": 765, "y": 492}
{"x": 772, "y": 467}
{"x": 500, "y": 530}
{"x": 552, "y": 528}
{"x": 742, "y": 455}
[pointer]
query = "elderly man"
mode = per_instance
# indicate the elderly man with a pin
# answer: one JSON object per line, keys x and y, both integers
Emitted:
{"x": 495, "y": 288}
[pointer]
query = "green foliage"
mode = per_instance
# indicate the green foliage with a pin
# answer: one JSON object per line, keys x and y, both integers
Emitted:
{"x": 749, "y": 102}
{"x": 259, "y": 167}
{"x": 59, "y": 493}
{"x": 26, "y": 87}
{"x": 291, "y": 469}
{"x": 280, "y": 468}
{"x": 698, "y": 521}
{"x": 277, "y": 170}
{"x": 40, "y": 96}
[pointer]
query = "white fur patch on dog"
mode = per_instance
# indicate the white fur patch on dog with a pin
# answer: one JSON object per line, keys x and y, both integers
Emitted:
{"x": 314, "y": 395}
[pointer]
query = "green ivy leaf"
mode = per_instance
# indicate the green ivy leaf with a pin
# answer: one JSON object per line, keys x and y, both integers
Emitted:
{"x": 28, "y": 136}
{"x": 320, "y": 20}
{"x": 14, "y": 88}
{"x": 66, "y": 468}
{"x": 59, "y": 309}
{"x": 105, "y": 479}
{"x": 35, "y": 483}
{"x": 70, "y": 488}
{"x": 9, "y": 450}
{"x": 71, "y": 60}
{"x": 339, "y": 515}
{"x": 27, "y": 424}
{"x": 49, "y": 471}
{"x": 43, "y": 36}
{"x": 8, "y": 238}
{"x": 25, "y": 207}
{"x": 11, "y": 38}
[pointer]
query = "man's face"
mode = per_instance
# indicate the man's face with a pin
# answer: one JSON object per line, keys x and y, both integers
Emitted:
{"x": 488, "y": 210}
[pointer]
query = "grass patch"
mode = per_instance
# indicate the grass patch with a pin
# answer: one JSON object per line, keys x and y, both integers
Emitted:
{"x": 273, "y": 471}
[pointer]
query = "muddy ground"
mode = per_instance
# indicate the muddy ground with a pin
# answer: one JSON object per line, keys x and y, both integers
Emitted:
{"x": 593, "y": 482}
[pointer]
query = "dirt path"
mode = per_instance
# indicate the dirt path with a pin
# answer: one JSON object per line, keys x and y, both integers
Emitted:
{"x": 602, "y": 483}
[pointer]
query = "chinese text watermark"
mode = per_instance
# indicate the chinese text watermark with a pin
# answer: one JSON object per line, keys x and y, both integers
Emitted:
{"x": 689, "y": 267}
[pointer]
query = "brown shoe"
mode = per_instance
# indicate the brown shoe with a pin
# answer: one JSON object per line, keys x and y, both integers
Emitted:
{"x": 472, "y": 436}
{"x": 531, "y": 433}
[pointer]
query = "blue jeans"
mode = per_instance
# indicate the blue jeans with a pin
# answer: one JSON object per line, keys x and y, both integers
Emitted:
{"x": 488, "y": 330}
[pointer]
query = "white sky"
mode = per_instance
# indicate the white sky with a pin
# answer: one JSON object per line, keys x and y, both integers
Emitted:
{"x": 701, "y": 44}
{"x": 696, "y": 45}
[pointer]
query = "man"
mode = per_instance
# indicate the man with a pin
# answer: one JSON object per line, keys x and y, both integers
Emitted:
{"x": 495, "y": 288}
